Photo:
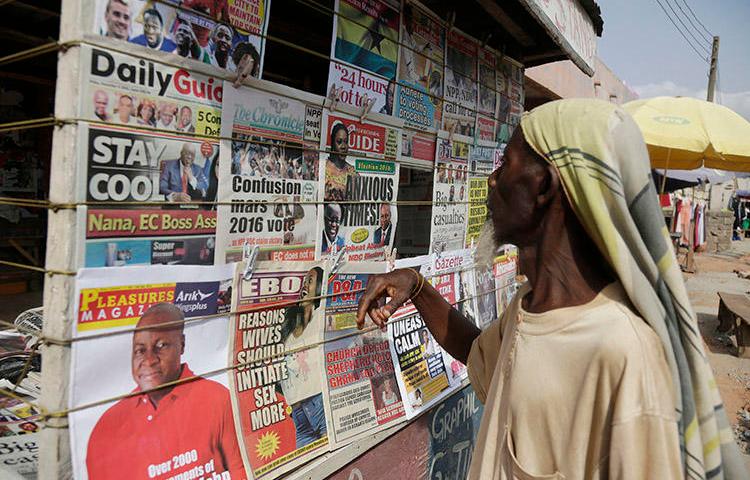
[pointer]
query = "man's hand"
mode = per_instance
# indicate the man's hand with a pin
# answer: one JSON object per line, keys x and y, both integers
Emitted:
{"x": 398, "y": 284}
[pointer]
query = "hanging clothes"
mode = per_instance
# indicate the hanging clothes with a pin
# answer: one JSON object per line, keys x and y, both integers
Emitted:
{"x": 683, "y": 219}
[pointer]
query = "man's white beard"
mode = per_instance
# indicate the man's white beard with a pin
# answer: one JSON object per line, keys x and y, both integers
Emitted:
{"x": 486, "y": 246}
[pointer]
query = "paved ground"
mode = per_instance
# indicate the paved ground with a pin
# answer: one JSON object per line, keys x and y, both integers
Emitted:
{"x": 715, "y": 274}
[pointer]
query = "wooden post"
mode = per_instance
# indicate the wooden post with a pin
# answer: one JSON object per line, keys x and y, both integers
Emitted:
{"x": 712, "y": 70}
{"x": 62, "y": 248}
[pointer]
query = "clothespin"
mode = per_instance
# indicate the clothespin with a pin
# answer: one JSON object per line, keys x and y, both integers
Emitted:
{"x": 337, "y": 260}
{"x": 367, "y": 104}
{"x": 486, "y": 39}
{"x": 390, "y": 257}
{"x": 244, "y": 69}
{"x": 451, "y": 21}
{"x": 334, "y": 95}
{"x": 250, "y": 254}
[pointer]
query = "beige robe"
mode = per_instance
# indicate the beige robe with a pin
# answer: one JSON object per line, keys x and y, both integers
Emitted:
{"x": 577, "y": 393}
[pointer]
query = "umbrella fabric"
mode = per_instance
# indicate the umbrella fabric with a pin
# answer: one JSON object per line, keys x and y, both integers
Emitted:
{"x": 686, "y": 133}
{"x": 600, "y": 155}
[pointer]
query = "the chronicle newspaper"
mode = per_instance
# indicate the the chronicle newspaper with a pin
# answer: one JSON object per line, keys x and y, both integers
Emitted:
{"x": 361, "y": 393}
{"x": 269, "y": 171}
{"x": 153, "y": 342}
{"x": 277, "y": 387}
{"x": 218, "y": 33}
{"x": 364, "y": 49}
{"x": 359, "y": 174}
{"x": 418, "y": 360}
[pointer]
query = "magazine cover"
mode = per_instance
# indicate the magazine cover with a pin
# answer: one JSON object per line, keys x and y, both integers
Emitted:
{"x": 277, "y": 387}
{"x": 154, "y": 340}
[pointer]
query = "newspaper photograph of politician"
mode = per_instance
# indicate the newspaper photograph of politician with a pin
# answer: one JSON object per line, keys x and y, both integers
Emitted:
{"x": 277, "y": 390}
{"x": 460, "y": 106}
{"x": 359, "y": 175}
{"x": 361, "y": 392}
{"x": 270, "y": 177}
{"x": 450, "y": 204}
{"x": 224, "y": 33}
{"x": 420, "y": 68}
{"x": 126, "y": 166}
{"x": 151, "y": 363}
{"x": 125, "y": 90}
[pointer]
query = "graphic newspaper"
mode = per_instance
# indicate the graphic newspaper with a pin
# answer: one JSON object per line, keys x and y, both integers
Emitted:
{"x": 417, "y": 358}
{"x": 460, "y": 106}
{"x": 269, "y": 172}
{"x": 137, "y": 330}
{"x": 449, "y": 197}
{"x": 125, "y": 166}
{"x": 365, "y": 50}
{"x": 420, "y": 68}
{"x": 214, "y": 33}
{"x": 277, "y": 387}
{"x": 359, "y": 182}
{"x": 361, "y": 394}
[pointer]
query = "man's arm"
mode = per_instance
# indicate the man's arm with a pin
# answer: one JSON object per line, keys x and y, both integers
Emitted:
{"x": 164, "y": 180}
{"x": 454, "y": 332}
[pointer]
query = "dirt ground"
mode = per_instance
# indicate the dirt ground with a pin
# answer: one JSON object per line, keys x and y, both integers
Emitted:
{"x": 715, "y": 273}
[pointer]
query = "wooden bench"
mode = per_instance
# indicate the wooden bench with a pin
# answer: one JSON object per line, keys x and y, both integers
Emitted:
{"x": 734, "y": 317}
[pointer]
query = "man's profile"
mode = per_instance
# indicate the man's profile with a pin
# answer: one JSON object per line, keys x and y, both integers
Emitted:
{"x": 157, "y": 423}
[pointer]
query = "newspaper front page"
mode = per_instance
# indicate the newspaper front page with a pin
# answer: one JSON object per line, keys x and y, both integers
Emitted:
{"x": 459, "y": 108}
{"x": 277, "y": 387}
{"x": 450, "y": 196}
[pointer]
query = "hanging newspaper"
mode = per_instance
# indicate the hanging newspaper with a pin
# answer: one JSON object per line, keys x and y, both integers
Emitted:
{"x": 20, "y": 434}
{"x": 486, "y": 290}
{"x": 277, "y": 388}
{"x": 126, "y": 165}
{"x": 481, "y": 165}
{"x": 417, "y": 358}
{"x": 487, "y": 96}
{"x": 460, "y": 106}
{"x": 450, "y": 273}
{"x": 450, "y": 209}
{"x": 419, "y": 147}
{"x": 504, "y": 270}
{"x": 214, "y": 33}
{"x": 138, "y": 329}
{"x": 420, "y": 69}
{"x": 364, "y": 50}
{"x": 127, "y": 90}
{"x": 359, "y": 178}
{"x": 361, "y": 395}
{"x": 269, "y": 174}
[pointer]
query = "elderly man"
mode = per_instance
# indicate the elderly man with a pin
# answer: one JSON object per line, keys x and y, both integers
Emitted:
{"x": 117, "y": 19}
{"x": 144, "y": 431}
{"x": 101, "y": 102}
{"x": 182, "y": 180}
{"x": 596, "y": 369}
{"x": 153, "y": 33}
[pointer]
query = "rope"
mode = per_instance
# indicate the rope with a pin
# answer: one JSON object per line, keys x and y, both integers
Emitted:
{"x": 44, "y": 415}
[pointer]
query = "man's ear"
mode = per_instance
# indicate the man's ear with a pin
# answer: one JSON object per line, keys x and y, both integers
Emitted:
{"x": 549, "y": 186}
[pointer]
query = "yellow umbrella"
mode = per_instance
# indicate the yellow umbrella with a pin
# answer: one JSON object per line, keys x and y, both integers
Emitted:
{"x": 684, "y": 133}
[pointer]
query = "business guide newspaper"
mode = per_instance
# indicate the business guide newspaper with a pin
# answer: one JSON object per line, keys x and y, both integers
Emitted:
{"x": 418, "y": 359}
{"x": 154, "y": 340}
{"x": 277, "y": 388}
{"x": 365, "y": 49}
{"x": 359, "y": 175}
{"x": 361, "y": 392}
{"x": 138, "y": 147}
{"x": 460, "y": 106}
{"x": 450, "y": 196}
{"x": 220, "y": 34}
{"x": 269, "y": 170}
